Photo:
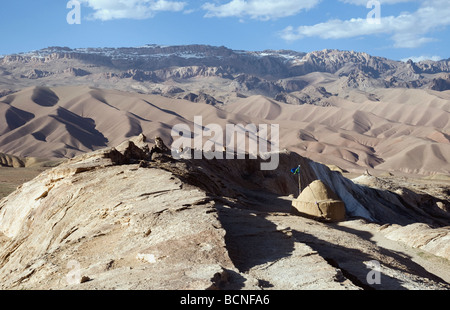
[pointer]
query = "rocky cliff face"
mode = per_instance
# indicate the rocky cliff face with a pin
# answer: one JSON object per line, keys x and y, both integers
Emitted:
{"x": 440, "y": 83}
{"x": 124, "y": 218}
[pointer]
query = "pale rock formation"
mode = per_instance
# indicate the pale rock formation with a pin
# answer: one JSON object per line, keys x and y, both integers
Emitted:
{"x": 110, "y": 219}
{"x": 104, "y": 220}
{"x": 317, "y": 200}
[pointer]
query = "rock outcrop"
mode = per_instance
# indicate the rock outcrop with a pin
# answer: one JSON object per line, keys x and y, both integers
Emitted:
{"x": 440, "y": 83}
{"x": 11, "y": 161}
{"x": 422, "y": 236}
{"x": 318, "y": 201}
{"x": 123, "y": 218}
{"x": 120, "y": 226}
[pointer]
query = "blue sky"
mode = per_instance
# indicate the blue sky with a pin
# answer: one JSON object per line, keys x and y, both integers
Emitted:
{"x": 396, "y": 29}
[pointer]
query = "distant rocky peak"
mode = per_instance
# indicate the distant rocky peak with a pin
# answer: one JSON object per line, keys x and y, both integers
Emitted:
{"x": 255, "y": 71}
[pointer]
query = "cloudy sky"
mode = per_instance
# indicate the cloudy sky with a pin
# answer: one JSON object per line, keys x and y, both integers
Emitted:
{"x": 396, "y": 29}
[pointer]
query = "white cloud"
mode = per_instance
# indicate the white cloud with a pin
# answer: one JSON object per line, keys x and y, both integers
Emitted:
{"x": 333, "y": 29}
{"x": 382, "y": 2}
{"x": 258, "y": 9}
{"x": 422, "y": 58}
{"x": 132, "y": 9}
{"x": 407, "y": 30}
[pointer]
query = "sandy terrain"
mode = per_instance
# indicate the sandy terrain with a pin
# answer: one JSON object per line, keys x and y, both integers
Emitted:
{"x": 11, "y": 178}
{"x": 403, "y": 130}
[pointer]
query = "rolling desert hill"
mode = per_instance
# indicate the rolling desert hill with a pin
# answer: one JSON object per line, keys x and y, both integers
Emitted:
{"x": 406, "y": 130}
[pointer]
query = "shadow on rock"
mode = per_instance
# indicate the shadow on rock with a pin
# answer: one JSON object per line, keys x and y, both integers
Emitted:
{"x": 355, "y": 263}
{"x": 251, "y": 239}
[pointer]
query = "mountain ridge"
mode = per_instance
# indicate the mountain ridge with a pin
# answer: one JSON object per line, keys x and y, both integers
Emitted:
{"x": 268, "y": 64}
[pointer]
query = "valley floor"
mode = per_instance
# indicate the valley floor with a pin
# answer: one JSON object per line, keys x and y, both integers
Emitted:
{"x": 11, "y": 178}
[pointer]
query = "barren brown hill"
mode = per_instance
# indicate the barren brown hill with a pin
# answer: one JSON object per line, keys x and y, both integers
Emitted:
{"x": 404, "y": 130}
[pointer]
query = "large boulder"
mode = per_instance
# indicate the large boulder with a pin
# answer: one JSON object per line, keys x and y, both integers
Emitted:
{"x": 318, "y": 201}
